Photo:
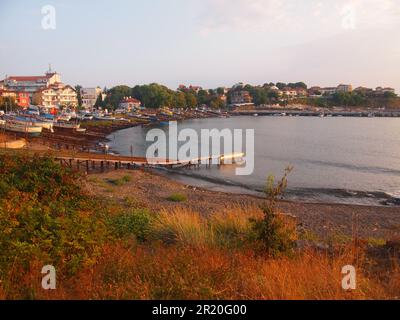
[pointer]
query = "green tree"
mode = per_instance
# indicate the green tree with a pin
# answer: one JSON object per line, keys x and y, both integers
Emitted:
{"x": 78, "y": 95}
{"x": 191, "y": 100}
{"x": 99, "y": 101}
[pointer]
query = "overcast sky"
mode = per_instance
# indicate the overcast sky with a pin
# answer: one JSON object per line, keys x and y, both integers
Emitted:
{"x": 205, "y": 42}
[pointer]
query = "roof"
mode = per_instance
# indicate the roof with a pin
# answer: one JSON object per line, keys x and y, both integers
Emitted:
{"x": 130, "y": 100}
{"x": 31, "y": 78}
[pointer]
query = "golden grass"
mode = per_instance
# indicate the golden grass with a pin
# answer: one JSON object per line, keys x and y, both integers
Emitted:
{"x": 191, "y": 256}
{"x": 163, "y": 272}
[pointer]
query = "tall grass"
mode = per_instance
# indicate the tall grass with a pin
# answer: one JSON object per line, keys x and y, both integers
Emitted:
{"x": 171, "y": 272}
{"x": 123, "y": 251}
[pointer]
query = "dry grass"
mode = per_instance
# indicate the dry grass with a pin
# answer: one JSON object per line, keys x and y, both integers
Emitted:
{"x": 163, "y": 272}
{"x": 190, "y": 256}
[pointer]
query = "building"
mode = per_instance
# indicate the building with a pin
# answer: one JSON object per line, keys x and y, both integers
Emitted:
{"x": 191, "y": 88}
{"x": 329, "y": 91}
{"x": 89, "y": 97}
{"x": 31, "y": 84}
{"x": 241, "y": 97}
{"x": 20, "y": 98}
{"x": 344, "y": 88}
{"x": 56, "y": 96}
{"x": 379, "y": 91}
{"x": 289, "y": 92}
{"x": 364, "y": 91}
{"x": 129, "y": 103}
{"x": 23, "y": 99}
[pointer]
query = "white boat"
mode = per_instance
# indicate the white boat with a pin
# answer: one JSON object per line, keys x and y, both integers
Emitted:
{"x": 87, "y": 116}
{"x": 21, "y": 127}
{"x": 66, "y": 125}
{"x": 64, "y": 117}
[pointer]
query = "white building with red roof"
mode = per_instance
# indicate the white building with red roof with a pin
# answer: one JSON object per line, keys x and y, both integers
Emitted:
{"x": 31, "y": 84}
{"x": 129, "y": 103}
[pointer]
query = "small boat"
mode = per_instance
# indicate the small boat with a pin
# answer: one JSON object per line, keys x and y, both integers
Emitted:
{"x": 255, "y": 115}
{"x": 33, "y": 110}
{"x": 21, "y": 127}
{"x": 35, "y": 121}
{"x": 64, "y": 117}
{"x": 87, "y": 116}
{"x": 66, "y": 125}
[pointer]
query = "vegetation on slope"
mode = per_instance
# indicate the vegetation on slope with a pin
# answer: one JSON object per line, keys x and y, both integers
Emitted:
{"x": 112, "y": 251}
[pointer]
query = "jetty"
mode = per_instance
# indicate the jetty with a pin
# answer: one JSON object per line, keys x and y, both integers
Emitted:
{"x": 102, "y": 162}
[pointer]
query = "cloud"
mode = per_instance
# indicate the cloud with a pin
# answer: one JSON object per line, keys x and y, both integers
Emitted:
{"x": 287, "y": 15}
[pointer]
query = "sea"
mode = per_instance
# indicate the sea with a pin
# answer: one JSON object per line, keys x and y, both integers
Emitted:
{"x": 334, "y": 160}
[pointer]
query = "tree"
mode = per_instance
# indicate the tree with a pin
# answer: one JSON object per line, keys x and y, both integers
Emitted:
{"x": 99, "y": 101}
{"x": 116, "y": 94}
{"x": 220, "y": 91}
{"x": 78, "y": 95}
{"x": 7, "y": 103}
{"x": 191, "y": 100}
{"x": 281, "y": 85}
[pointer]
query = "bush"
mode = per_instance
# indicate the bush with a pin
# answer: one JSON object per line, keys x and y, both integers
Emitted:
{"x": 45, "y": 216}
{"x": 134, "y": 223}
{"x": 274, "y": 234}
{"x": 177, "y": 197}
{"x": 120, "y": 182}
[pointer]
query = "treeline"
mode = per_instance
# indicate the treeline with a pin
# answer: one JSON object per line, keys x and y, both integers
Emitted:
{"x": 352, "y": 99}
{"x": 155, "y": 96}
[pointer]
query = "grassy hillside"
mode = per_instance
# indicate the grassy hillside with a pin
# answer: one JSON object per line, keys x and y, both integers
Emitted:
{"x": 105, "y": 250}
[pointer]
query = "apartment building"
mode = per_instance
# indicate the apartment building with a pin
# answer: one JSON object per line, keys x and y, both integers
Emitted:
{"x": 56, "y": 96}
{"x": 31, "y": 84}
{"x": 90, "y": 96}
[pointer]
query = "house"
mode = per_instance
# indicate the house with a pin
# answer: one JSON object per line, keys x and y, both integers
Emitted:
{"x": 31, "y": 84}
{"x": 55, "y": 96}
{"x": 21, "y": 98}
{"x": 379, "y": 91}
{"x": 289, "y": 92}
{"x": 129, "y": 103}
{"x": 364, "y": 91}
{"x": 241, "y": 97}
{"x": 344, "y": 88}
{"x": 328, "y": 91}
{"x": 89, "y": 97}
{"x": 191, "y": 88}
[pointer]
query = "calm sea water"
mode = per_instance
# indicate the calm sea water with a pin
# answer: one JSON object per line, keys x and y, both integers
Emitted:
{"x": 346, "y": 160}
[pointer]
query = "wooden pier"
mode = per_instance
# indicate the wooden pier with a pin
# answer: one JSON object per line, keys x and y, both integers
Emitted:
{"x": 92, "y": 161}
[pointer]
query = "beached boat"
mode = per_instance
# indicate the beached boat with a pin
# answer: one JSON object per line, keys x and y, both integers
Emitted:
{"x": 21, "y": 127}
{"x": 66, "y": 125}
{"x": 34, "y": 121}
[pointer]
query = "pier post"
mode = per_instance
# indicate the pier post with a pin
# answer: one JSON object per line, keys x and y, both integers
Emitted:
{"x": 102, "y": 166}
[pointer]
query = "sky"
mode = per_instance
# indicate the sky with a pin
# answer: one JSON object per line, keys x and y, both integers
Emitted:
{"x": 210, "y": 43}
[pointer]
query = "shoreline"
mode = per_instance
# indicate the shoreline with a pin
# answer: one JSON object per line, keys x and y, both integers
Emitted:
{"x": 320, "y": 220}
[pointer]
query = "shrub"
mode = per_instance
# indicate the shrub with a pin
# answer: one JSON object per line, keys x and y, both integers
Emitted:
{"x": 177, "y": 197}
{"x": 133, "y": 223}
{"x": 274, "y": 234}
{"x": 120, "y": 182}
{"x": 44, "y": 215}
